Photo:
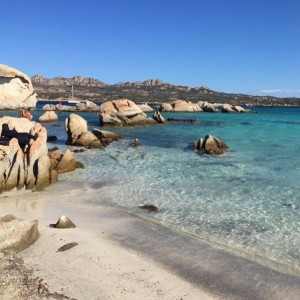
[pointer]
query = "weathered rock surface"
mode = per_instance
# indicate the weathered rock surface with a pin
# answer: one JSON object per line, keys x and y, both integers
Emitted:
{"x": 210, "y": 145}
{"x": 78, "y": 134}
{"x": 16, "y": 234}
{"x": 48, "y": 116}
{"x": 62, "y": 162}
{"x": 16, "y": 89}
{"x": 23, "y": 154}
{"x": 122, "y": 112}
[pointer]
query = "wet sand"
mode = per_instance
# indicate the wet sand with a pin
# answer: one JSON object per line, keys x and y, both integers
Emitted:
{"x": 123, "y": 256}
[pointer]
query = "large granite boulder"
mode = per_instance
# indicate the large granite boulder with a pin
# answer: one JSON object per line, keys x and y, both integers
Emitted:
{"x": 16, "y": 234}
{"x": 23, "y": 155}
{"x": 210, "y": 145}
{"x": 122, "y": 112}
{"x": 16, "y": 89}
{"x": 48, "y": 116}
{"x": 180, "y": 106}
{"x": 78, "y": 134}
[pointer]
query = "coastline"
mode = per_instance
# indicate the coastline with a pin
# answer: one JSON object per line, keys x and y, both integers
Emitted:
{"x": 123, "y": 256}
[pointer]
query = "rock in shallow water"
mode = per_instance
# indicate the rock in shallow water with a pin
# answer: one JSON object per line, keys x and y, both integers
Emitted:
{"x": 149, "y": 207}
{"x": 210, "y": 145}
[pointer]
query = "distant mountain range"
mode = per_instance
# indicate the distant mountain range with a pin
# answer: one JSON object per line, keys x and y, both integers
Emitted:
{"x": 152, "y": 90}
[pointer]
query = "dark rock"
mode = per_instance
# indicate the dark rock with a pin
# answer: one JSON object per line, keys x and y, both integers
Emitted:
{"x": 67, "y": 246}
{"x": 186, "y": 120}
{"x": 149, "y": 207}
{"x": 78, "y": 150}
{"x": 79, "y": 165}
{"x": 51, "y": 138}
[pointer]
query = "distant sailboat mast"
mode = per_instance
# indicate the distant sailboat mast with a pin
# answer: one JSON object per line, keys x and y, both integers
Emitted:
{"x": 71, "y": 100}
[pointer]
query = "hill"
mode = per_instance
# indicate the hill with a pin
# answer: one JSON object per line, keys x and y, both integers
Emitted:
{"x": 152, "y": 90}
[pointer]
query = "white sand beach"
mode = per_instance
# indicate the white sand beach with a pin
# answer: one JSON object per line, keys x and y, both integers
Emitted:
{"x": 98, "y": 267}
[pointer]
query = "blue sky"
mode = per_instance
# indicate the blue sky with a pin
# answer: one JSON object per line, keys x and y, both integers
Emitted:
{"x": 228, "y": 45}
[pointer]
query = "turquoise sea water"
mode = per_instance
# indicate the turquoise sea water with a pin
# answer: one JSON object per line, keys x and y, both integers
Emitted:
{"x": 246, "y": 200}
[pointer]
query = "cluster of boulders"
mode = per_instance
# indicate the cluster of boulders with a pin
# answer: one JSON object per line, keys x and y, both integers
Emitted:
{"x": 81, "y": 106}
{"x": 23, "y": 155}
{"x": 122, "y": 112}
{"x": 79, "y": 135}
{"x": 201, "y": 106}
{"x": 210, "y": 145}
{"x": 16, "y": 89}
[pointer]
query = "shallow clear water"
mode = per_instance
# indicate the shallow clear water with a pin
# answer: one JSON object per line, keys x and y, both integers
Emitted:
{"x": 247, "y": 199}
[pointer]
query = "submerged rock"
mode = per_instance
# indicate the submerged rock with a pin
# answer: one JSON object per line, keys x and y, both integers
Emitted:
{"x": 137, "y": 143}
{"x": 149, "y": 207}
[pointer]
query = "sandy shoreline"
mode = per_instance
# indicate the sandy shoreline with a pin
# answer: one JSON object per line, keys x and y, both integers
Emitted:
{"x": 98, "y": 268}
{"x": 121, "y": 256}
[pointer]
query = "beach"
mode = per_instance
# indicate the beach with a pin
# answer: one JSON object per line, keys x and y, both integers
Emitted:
{"x": 123, "y": 256}
{"x": 99, "y": 267}
{"x": 225, "y": 227}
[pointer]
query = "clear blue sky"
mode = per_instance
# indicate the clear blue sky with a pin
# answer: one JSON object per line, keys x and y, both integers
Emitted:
{"x": 228, "y": 45}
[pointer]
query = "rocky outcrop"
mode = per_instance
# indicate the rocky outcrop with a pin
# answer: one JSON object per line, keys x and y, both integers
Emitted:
{"x": 227, "y": 108}
{"x": 145, "y": 108}
{"x": 48, "y": 116}
{"x": 78, "y": 134}
{"x": 16, "y": 234}
{"x": 122, "y": 112}
{"x": 159, "y": 118}
{"x": 180, "y": 106}
{"x": 23, "y": 155}
{"x": 102, "y": 134}
{"x": 16, "y": 89}
{"x": 210, "y": 145}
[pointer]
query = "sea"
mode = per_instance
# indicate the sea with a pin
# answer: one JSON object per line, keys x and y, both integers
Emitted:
{"x": 246, "y": 201}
